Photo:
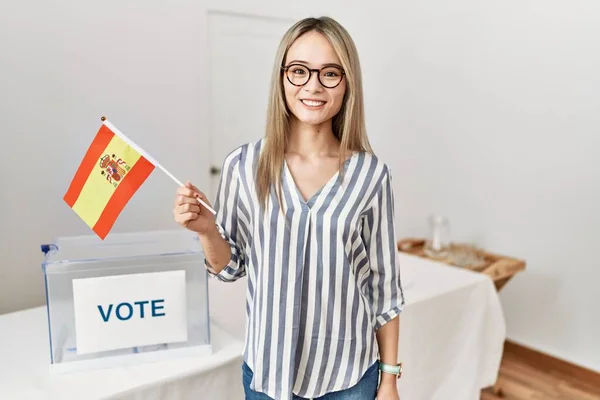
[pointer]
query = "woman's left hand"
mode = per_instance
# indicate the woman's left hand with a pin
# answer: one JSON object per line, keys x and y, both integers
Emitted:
{"x": 388, "y": 391}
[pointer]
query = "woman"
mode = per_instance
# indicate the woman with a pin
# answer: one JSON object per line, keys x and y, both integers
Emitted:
{"x": 307, "y": 213}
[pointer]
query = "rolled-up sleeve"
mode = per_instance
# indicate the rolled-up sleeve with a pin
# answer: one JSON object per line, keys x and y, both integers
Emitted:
{"x": 229, "y": 223}
{"x": 384, "y": 286}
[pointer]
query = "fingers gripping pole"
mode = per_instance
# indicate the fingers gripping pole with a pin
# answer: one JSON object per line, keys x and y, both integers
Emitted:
{"x": 182, "y": 185}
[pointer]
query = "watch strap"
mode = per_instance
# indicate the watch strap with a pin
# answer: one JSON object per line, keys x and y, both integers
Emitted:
{"x": 391, "y": 369}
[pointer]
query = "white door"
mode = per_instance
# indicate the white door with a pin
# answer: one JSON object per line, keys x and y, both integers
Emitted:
{"x": 241, "y": 53}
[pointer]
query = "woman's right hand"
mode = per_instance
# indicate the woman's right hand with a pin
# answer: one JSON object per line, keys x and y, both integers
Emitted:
{"x": 190, "y": 214}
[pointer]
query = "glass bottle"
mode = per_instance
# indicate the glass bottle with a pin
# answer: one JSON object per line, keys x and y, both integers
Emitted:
{"x": 437, "y": 244}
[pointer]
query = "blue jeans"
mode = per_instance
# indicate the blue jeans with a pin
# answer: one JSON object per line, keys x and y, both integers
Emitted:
{"x": 365, "y": 389}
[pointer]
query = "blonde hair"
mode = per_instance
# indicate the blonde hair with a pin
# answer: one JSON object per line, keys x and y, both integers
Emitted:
{"x": 348, "y": 124}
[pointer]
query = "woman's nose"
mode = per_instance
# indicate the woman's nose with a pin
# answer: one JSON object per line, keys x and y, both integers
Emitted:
{"x": 313, "y": 85}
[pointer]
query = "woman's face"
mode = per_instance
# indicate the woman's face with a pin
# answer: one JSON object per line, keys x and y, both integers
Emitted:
{"x": 314, "y": 102}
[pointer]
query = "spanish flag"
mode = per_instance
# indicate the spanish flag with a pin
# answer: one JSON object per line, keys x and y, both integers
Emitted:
{"x": 111, "y": 171}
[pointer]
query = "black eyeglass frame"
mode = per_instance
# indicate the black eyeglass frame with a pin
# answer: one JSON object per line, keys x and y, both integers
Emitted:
{"x": 310, "y": 71}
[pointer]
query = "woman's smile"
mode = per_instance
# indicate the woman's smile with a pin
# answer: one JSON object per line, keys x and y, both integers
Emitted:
{"x": 312, "y": 104}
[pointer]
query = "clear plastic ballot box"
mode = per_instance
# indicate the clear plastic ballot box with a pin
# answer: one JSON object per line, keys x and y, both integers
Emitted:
{"x": 130, "y": 298}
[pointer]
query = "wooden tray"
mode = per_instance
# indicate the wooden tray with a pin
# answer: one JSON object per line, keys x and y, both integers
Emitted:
{"x": 500, "y": 268}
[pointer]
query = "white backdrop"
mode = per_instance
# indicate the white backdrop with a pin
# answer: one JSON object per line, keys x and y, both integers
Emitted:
{"x": 487, "y": 112}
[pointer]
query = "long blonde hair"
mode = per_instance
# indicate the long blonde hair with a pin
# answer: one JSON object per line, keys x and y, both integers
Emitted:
{"x": 348, "y": 124}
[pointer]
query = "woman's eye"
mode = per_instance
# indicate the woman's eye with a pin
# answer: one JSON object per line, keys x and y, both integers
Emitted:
{"x": 299, "y": 71}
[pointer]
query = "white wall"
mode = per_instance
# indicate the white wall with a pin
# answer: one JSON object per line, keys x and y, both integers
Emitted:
{"x": 492, "y": 117}
{"x": 486, "y": 112}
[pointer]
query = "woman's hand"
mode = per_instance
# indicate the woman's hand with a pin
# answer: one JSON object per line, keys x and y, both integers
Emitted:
{"x": 388, "y": 391}
{"x": 189, "y": 213}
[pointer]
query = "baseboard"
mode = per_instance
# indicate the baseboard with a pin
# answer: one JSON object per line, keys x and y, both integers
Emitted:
{"x": 544, "y": 361}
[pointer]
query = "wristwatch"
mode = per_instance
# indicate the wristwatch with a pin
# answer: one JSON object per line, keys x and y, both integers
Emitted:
{"x": 391, "y": 369}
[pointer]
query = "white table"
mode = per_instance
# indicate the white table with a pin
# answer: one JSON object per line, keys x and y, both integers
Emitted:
{"x": 24, "y": 371}
{"x": 451, "y": 341}
{"x": 452, "y": 332}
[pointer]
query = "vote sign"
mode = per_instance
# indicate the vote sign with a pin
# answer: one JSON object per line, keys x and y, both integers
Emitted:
{"x": 115, "y": 312}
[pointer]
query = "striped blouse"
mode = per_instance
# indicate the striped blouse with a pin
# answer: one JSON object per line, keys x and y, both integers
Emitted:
{"x": 318, "y": 291}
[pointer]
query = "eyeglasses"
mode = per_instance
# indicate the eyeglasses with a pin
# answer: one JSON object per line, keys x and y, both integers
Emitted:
{"x": 299, "y": 75}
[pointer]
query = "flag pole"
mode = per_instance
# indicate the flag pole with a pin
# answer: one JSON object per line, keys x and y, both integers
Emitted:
{"x": 151, "y": 159}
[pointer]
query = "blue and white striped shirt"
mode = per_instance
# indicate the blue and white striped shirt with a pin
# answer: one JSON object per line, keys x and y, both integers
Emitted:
{"x": 316, "y": 292}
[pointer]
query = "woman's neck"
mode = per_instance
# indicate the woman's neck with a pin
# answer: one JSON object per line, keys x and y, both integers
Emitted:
{"x": 312, "y": 140}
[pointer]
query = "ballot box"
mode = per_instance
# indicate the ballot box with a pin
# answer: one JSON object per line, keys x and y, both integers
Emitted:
{"x": 130, "y": 298}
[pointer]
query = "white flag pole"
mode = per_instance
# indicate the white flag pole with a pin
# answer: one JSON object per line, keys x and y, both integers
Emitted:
{"x": 150, "y": 158}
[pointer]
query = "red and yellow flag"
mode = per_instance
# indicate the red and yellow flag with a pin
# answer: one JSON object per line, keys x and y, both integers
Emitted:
{"x": 112, "y": 170}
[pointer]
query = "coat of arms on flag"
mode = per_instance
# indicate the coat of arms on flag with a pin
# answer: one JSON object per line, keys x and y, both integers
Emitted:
{"x": 114, "y": 168}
